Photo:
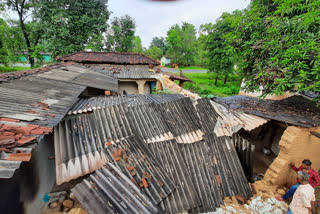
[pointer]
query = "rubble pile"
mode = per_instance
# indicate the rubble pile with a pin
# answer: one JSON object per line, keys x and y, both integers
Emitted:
{"x": 256, "y": 205}
{"x": 63, "y": 203}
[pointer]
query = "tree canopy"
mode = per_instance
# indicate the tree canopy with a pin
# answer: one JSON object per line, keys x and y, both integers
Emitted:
{"x": 182, "y": 44}
{"x": 279, "y": 42}
{"x": 159, "y": 42}
{"x": 154, "y": 52}
{"x": 120, "y": 36}
{"x": 71, "y": 25}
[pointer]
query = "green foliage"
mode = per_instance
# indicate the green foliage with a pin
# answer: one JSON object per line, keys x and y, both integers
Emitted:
{"x": 154, "y": 52}
{"x": 218, "y": 40}
{"x": 203, "y": 84}
{"x": 280, "y": 43}
{"x": 182, "y": 44}
{"x": 121, "y": 37}
{"x": 159, "y": 42}
{"x": 192, "y": 68}
{"x": 68, "y": 26}
{"x": 5, "y": 69}
{"x": 137, "y": 48}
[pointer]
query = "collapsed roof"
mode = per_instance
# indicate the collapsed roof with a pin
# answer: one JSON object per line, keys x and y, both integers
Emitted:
{"x": 34, "y": 101}
{"x": 161, "y": 142}
{"x": 110, "y": 58}
{"x": 295, "y": 110}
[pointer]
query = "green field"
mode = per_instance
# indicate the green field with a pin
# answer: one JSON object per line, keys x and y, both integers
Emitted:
{"x": 5, "y": 69}
{"x": 203, "y": 84}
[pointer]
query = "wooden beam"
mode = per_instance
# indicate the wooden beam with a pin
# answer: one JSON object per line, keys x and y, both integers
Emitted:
{"x": 317, "y": 134}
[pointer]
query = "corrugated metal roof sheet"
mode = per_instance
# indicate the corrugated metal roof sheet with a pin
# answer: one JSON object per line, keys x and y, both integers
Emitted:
{"x": 81, "y": 147}
{"x": 110, "y": 57}
{"x": 295, "y": 110}
{"x": 185, "y": 197}
{"x": 93, "y": 103}
{"x": 204, "y": 171}
{"x": 125, "y": 71}
{"x": 41, "y": 97}
{"x": 108, "y": 190}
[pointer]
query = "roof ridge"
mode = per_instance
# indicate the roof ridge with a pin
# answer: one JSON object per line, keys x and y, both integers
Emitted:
{"x": 103, "y": 52}
{"x": 4, "y": 77}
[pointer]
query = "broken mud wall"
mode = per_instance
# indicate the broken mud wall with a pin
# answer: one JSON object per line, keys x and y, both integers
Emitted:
{"x": 167, "y": 83}
{"x": 296, "y": 144}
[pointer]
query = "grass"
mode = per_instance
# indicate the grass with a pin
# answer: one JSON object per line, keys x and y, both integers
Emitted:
{"x": 203, "y": 84}
{"x": 5, "y": 69}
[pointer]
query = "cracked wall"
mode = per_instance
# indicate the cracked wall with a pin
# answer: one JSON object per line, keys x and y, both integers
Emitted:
{"x": 296, "y": 144}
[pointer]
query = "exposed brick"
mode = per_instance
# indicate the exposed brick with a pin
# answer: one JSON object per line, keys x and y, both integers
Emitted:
{"x": 24, "y": 140}
{"x": 19, "y": 157}
{"x": 144, "y": 182}
{"x": 37, "y": 131}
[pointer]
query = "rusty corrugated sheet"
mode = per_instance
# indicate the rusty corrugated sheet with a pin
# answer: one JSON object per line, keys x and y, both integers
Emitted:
{"x": 108, "y": 190}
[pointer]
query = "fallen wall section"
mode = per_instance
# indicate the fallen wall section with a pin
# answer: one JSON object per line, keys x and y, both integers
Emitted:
{"x": 296, "y": 145}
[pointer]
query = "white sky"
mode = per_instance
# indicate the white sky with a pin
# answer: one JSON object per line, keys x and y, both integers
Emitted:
{"x": 155, "y": 18}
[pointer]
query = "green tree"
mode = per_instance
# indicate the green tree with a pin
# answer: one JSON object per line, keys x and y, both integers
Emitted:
{"x": 121, "y": 37}
{"x": 159, "y": 42}
{"x": 137, "y": 48}
{"x": 218, "y": 40}
{"x": 154, "y": 52}
{"x": 3, "y": 51}
{"x": 30, "y": 30}
{"x": 70, "y": 26}
{"x": 182, "y": 44}
{"x": 280, "y": 46}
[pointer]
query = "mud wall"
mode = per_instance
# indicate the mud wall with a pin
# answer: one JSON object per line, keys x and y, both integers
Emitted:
{"x": 296, "y": 144}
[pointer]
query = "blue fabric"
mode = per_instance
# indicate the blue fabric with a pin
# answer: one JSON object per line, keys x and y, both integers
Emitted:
{"x": 291, "y": 191}
{"x": 289, "y": 211}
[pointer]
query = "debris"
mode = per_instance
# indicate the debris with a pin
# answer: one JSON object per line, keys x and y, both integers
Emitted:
{"x": 67, "y": 203}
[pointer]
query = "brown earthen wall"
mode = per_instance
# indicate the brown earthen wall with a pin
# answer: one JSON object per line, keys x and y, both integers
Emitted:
{"x": 296, "y": 144}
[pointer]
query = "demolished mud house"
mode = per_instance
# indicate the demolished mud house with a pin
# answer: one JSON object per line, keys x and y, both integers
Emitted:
{"x": 56, "y": 117}
{"x": 290, "y": 134}
{"x": 136, "y": 153}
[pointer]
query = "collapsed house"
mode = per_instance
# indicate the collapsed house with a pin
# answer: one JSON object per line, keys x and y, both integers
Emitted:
{"x": 136, "y": 153}
{"x": 290, "y": 134}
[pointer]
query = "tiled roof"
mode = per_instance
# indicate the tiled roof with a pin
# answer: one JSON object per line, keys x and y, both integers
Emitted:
{"x": 172, "y": 133}
{"x": 33, "y": 102}
{"x": 110, "y": 58}
{"x": 295, "y": 110}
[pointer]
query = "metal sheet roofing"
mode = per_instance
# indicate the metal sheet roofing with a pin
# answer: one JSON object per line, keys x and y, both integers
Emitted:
{"x": 125, "y": 71}
{"x": 109, "y": 190}
{"x": 110, "y": 57}
{"x": 295, "y": 110}
{"x": 185, "y": 197}
{"x": 35, "y": 101}
{"x": 81, "y": 147}
{"x": 204, "y": 171}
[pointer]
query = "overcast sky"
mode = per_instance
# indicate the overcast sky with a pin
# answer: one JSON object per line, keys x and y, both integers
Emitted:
{"x": 155, "y": 18}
